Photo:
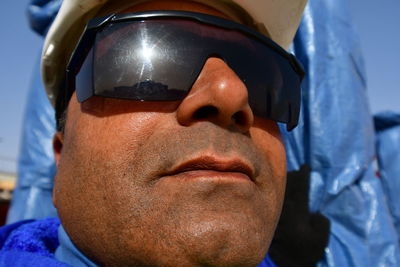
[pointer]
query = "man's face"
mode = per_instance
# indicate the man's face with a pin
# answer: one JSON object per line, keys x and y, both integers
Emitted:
{"x": 186, "y": 183}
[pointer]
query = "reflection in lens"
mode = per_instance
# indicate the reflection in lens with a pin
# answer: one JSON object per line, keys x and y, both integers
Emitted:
{"x": 146, "y": 52}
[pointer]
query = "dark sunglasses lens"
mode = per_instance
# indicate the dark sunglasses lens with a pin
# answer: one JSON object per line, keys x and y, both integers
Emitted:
{"x": 160, "y": 59}
{"x": 272, "y": 83}
{"x": 152, "y": 60}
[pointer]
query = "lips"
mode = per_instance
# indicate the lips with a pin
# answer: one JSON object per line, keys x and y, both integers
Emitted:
{"x": 210, "y": 166}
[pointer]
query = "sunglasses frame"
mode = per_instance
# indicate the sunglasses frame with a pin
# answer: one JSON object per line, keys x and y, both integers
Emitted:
{"x": 88, "y": 37}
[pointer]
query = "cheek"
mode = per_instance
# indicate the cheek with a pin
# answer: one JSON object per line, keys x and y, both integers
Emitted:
{"x": 95, "y": 184}
{"x": 109, "y": 125}
{"x": 113, "y": 135}
{"x": 266, "y": 136}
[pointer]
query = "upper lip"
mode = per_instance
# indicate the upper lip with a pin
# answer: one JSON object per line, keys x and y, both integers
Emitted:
{"x": 234, "y": 164}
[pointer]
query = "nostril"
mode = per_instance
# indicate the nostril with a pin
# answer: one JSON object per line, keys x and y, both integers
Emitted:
{"x": 205, "y": 112}
{"x": 240, "y": 118}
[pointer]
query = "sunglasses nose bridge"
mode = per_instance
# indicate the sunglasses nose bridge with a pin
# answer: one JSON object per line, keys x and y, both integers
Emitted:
{"x": 214, "y": 54}
{"x": 218, "y": 96}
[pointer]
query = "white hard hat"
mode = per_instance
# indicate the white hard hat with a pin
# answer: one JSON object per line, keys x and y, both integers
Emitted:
{"x": 279, "y": 19}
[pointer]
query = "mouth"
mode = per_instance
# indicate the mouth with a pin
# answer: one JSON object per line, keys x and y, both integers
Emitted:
{"x": 214, "y": 168}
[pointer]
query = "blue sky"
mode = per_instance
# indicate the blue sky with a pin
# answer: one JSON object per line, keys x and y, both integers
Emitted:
{"x": 376, "y": 21}
{"x": 19, "y": 48}
{"x": 378, "y": 25}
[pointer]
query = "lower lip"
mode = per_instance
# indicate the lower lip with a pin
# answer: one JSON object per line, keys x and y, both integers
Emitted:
{"x": 214, "y": 175}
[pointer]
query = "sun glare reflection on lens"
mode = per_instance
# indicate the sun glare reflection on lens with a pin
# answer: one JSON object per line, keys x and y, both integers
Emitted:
{"x": 146, "y": 52}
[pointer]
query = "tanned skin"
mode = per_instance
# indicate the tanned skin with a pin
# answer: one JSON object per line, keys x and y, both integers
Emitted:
{"x": 197, "y": 182}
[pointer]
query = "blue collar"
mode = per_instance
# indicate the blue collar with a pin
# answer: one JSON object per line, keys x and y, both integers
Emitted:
{"x": 68, "y": 253}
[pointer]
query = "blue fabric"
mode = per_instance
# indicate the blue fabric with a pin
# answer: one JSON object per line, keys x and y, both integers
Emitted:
{"x": 41, "y": 14}
{"x": 27, "y": 259}
{"x": 387, "y": 125}
{"x": 68, "y": 253}
{"x": 336, "y": 139}
{"x": 36, "y": 166}
{"x": 30, "y": 243}
{"x": 267, "y": 262}
{"x": 6, "y": 230}
{"x": 32, "y": 197}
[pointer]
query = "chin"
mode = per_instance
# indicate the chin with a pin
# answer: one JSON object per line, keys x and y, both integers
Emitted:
{"x": 226, "y": 242}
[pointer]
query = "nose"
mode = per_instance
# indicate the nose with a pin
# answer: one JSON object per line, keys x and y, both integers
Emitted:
{"x": 218, "y": 96}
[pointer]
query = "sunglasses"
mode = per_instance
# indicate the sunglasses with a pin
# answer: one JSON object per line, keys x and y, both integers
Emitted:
{"x": 158, "y": 55}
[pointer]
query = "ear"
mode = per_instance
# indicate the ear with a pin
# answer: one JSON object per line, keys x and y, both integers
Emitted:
{"x": 58, "y": 142}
